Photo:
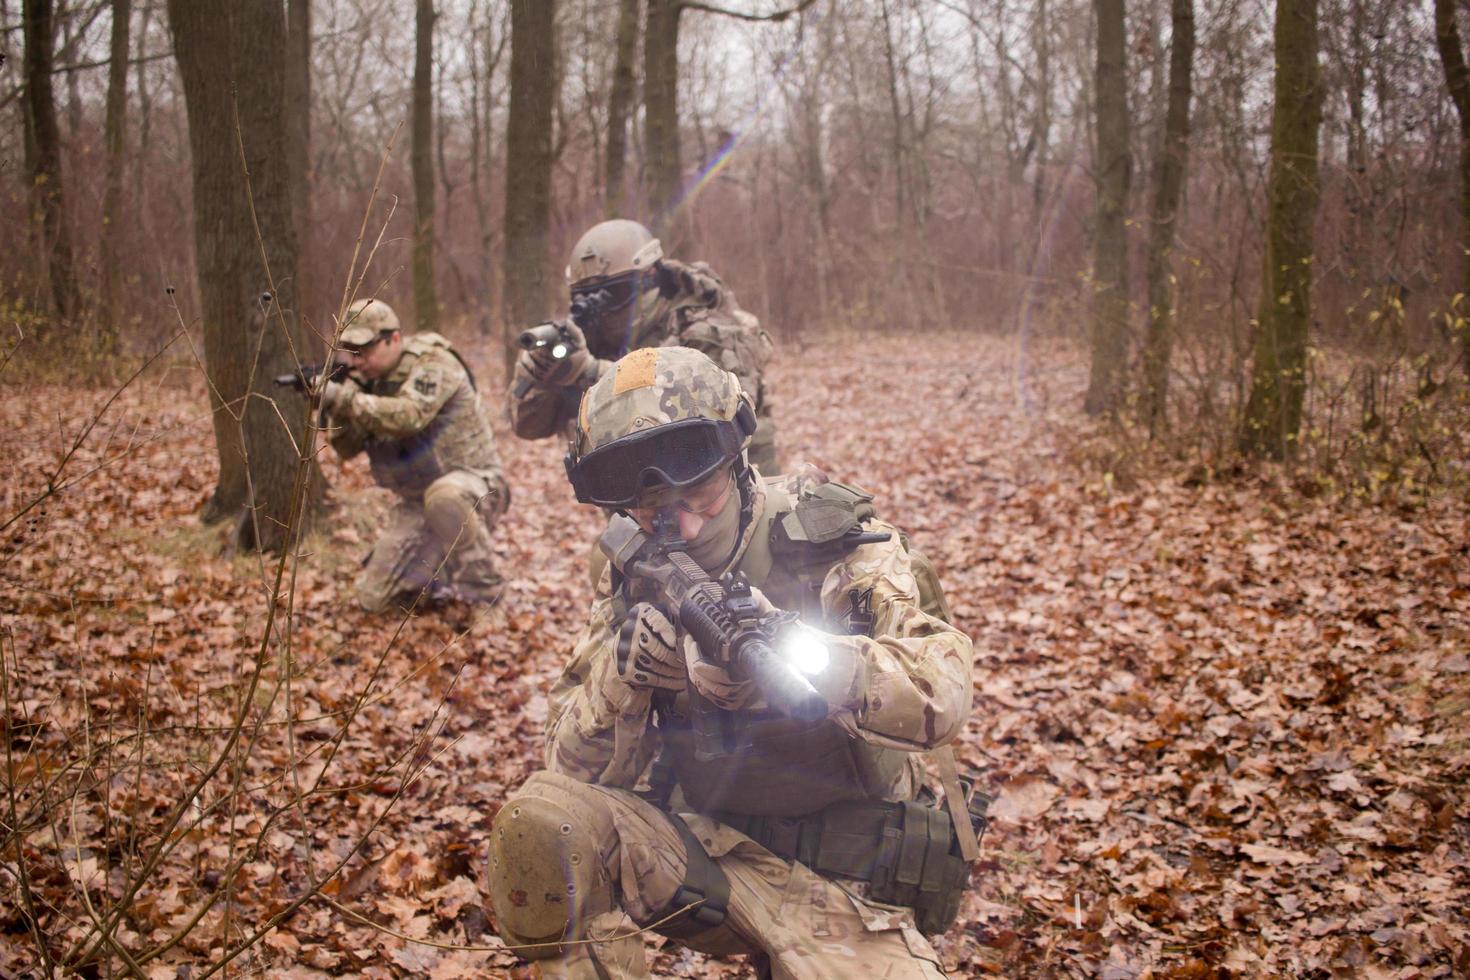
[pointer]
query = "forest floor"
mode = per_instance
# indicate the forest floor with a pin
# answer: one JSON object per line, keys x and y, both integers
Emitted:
{"x": 1227, "y": 726}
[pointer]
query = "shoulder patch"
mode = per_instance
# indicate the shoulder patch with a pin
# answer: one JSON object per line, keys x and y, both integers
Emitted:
{"x": 636, "y": 370}
{"x": 426, "y": 384}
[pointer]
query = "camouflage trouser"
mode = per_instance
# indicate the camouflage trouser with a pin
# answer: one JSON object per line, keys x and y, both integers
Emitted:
{"x": 569, "y": 860}
{"x": 449, "y": 527}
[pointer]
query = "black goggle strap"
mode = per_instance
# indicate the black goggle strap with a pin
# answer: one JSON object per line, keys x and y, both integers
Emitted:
{"x": 619, "y": 292}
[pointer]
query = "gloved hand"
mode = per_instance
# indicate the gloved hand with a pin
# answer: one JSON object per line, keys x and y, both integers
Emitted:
{"x": 337, "y": 394}
{"x": 712, "y": 680}
{"x": 559, "y": 372}
{"x": 646, "y": 650}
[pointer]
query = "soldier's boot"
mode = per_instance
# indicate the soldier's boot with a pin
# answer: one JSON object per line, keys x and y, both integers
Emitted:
{"x": 552, "y": 862}
{"x": 455, "y": 507}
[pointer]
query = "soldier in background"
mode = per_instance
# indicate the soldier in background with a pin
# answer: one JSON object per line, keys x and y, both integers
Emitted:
{"x": 626, "y": 295}
{"x": 411, "y": 404}
{"x": 813, "y": 845}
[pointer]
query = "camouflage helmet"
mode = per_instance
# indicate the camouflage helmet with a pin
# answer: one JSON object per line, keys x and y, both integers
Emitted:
{"x": 365, "y": 320}
{"x": 662, "y": 417}
{"x": 611, "y": 249}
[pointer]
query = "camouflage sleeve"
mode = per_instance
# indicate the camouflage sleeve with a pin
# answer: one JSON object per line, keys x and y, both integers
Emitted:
{"x": 540, "y": 411}
{"x": 598, "y": 728}
{"x": 733, "y": 340}
{"x": 434, "y": 378}
{"x": 918, "y": 668}
{"x": 347, "y": 438}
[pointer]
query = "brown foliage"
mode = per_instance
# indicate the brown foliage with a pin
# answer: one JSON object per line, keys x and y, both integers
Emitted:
{"x": 1225, "y": 723}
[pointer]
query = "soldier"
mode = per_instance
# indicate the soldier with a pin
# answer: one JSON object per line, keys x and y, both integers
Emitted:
{"x": 626, "y": 295}
{"x": 811, "y": 843}
{"x": 411, "y": 404}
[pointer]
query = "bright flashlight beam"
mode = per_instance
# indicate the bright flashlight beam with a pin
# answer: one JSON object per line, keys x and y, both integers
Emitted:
{"x": 805, "y": 650}
{"x": 559, "y": 351}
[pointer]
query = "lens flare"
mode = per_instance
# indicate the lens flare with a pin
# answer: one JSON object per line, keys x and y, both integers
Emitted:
{"x": 742, "y": 130}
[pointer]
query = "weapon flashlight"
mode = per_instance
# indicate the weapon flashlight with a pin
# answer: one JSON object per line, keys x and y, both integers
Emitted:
{"x": 547, "y": 335}
{"x": 804, "y": 649}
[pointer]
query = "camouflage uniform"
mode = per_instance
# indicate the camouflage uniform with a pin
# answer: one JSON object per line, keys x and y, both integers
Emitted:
{"x": 622, "y": 860}
{"x": 427, "y": 441}
{"x": 700, "y": 313}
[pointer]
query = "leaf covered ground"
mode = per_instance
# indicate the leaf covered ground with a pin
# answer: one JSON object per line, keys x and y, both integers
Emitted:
{"x": 1227, "y": 727}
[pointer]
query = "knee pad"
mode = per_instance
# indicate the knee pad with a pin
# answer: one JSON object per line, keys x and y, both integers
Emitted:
{"x": 450, "y": 512}
{"x": 545, "y": 873}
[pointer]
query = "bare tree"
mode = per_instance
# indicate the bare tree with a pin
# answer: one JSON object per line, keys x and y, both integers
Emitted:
{"x": 485, "y": 54}
{"x": 1168, "y": 187}
{"x": 1273, "y": 413}
{"x": 528, "y": 160}
{"x": 116, "y": 138}
{"x": 44, "y": 146}
{"x": 425, "y": 295}
{"x": 1113, "y": 173}
{"x": 232, "y": 65}
{"x": 664, "y": 173}
{"x": 620, "y": 106}
{"x": 1457, "y": 79}
{"x": 298, "y": 147}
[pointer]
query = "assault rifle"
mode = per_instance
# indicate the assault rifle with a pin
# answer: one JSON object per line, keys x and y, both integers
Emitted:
{"x": 553, "y": 335}
{"x": 555, "y": 338}
{"x": 724, "y": 619}
{"x": 305, "y": 379}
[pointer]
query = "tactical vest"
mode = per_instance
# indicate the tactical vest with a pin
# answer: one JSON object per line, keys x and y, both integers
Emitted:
{"x": 789, "y": 768}
{"x": 457, "y": 438}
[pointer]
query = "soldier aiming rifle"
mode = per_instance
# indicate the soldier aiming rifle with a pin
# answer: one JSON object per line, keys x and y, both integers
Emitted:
{"x": 734, "y": 752}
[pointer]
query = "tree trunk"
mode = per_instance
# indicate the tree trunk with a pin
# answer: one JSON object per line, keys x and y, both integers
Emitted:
{"x": 1041, "y": 131}
{"x": 1113, "y": 173}
{"x": 528, "y": 162}
{"x": 1273, "y": 412}
{"x": 1457, "y": 78}
{"x": 45, "y": 169}
{"x": 232, "y": 66}
{"x": 661, "y": 118}
{"x": 1168, "y": 186}
{"x": 116, "y": 137}
{"x": 425, "y": 296}
{"x": 298, "y": 161}
{"x": 619, "y": 107}
{"x": 145, "y": 111}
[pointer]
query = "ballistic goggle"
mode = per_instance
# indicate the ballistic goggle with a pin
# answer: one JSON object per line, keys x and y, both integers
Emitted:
{"x": 676, "y": 455}
{"x": 608, "y": 295}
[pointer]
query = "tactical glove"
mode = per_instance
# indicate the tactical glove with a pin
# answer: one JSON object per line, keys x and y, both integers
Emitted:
{"x": 712, "y": 680}
{"x": 715, "y": 683}
{"x": 646, "y": 651}
{"x": 560, "y": 372}
{"x": 337, "y": 394}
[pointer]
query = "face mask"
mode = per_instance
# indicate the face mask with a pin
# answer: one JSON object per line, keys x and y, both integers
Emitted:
{"x": 715, "y": 541}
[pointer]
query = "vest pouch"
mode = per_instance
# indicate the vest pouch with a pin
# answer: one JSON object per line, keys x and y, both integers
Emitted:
{"x": 918, "y": 865}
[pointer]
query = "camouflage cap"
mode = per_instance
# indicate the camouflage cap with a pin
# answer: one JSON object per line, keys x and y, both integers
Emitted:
{"x": 655, "y": 386}
{"x": 365, "y": 319}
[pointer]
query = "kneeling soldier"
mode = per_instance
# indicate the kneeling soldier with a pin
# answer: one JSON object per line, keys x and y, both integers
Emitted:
{"x": 411, "y": 404}
{"x": 787, "y": 660}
